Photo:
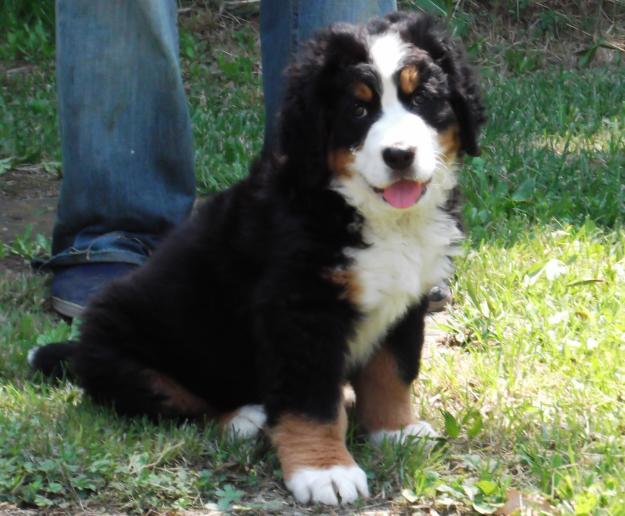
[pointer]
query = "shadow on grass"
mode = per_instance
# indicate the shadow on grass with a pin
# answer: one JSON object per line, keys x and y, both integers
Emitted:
{"x": 553, "y": 153}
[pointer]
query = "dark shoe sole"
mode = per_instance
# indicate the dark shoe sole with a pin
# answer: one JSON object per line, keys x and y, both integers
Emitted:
{"x": 67, "y": 308}
{"x": 438, "y": 298}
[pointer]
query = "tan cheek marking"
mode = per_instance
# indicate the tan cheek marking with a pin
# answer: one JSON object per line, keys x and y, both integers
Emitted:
{"x": 409, "y": 79}
{"x": 339, "y": 161}
{"x": 303, "y": 443}
{"x": 363, "y": 92}
{"x": 382, "y": 398}
{"x": 177, "y": 399}
{"x": 449, "y": 143}
{"x": 352, "y": 288}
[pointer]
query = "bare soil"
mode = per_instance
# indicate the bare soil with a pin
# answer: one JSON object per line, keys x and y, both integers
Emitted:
{"x": 28, "y": 197}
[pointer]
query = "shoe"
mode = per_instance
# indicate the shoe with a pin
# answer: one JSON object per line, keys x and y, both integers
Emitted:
{"x": 438, "y": 298}
{"x": 74, "y": 285}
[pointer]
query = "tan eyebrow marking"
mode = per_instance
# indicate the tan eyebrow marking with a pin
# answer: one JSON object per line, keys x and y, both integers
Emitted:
{"x": 409, "y": 79}
{"x": 363, "y": 92}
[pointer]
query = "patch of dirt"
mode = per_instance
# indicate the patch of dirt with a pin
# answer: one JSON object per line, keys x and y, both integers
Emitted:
{"x": 7, "y": 509}
{"x": 28, "y": 197}
{"x": 434, "y": 333}
{"x": 12, "y": 265}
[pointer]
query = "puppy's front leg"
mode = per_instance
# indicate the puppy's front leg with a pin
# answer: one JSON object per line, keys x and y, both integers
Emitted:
{"x": 383, "y": 385}
{"x": 302, "y": 366}
{"x": 316, "y": 464}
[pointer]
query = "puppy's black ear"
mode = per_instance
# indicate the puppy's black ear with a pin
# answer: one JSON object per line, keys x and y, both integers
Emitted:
{"x": 465, "y": 98}
{"x": 312, "y": 88}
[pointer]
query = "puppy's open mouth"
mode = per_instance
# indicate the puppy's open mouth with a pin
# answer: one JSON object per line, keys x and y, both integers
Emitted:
{"x": 404, "y": 193}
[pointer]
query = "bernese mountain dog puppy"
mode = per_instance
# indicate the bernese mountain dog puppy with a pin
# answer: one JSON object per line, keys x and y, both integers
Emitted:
{"x": 311, "y": 272}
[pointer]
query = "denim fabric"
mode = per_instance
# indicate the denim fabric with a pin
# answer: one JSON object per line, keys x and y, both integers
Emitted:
{"x": 125, "y": 127}
{"x": 286, "y": 24}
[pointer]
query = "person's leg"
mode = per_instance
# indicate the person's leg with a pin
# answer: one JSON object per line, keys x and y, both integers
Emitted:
{"x": 126, "y": 139}
{"x": 286, "y": 24}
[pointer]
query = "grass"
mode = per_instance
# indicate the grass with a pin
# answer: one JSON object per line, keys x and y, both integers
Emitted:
{"x": 28, "y": 133}
{"x": 26, "y": 31}
{"x": 554, "y": 150}
{"x": 227, "y": 116}
{"x": 527, "y": 387}
{"x": 542, "y": 334}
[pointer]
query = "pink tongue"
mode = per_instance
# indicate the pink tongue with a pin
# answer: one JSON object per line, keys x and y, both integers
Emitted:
{"x": 403, "y": 194}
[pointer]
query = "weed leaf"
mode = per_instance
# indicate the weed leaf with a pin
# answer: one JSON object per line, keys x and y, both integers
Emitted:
{"x": 485, "y": 507}
{"x": 5, "y": 165}
{"x": 227, "y": 495}
{"x": 476, "y": 427}
{"x": 524, "y": 191}
{"x": 487, "y": 487}
{"x": 452, "y": 427}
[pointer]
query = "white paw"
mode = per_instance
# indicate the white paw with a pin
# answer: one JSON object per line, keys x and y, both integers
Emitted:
{"x": 327, "y": 485}
{"x": 418, "y": 429}
{"x": 246, "y": 422}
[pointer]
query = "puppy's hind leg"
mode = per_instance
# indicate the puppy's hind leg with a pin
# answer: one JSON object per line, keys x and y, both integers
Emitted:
{"x": 111, "y": 377}
{"x": 244, "y": 423}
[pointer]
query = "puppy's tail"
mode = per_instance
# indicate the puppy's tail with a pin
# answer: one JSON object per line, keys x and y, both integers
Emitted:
{"x": 52, "y": 360}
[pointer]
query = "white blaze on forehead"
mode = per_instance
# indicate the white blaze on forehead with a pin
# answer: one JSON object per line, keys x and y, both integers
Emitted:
{"x": 387, "y": 51}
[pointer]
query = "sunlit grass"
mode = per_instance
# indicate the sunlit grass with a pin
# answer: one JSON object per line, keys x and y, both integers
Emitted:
{"x": 541, "y": 337}
{"x": 607, "y": 140}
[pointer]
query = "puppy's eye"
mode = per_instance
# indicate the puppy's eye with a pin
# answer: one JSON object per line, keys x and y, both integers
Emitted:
{"x": 359, "y": 111}
{"x": 416, "y": 101}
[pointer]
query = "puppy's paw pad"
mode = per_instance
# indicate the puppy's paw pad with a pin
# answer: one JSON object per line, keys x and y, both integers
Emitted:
{"x": 418, "y": 429}
{"x": 246, "y": 422}
{"x": 330, "y": 486}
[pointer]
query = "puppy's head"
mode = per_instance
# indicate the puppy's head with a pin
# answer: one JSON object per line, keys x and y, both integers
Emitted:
{"x": 380, "y": 112}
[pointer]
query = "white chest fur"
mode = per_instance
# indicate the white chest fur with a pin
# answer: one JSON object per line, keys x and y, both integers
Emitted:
{"x": 404, "y": 260}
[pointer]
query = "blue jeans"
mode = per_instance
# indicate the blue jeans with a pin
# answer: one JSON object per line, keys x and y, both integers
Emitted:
{"x": 125, "y": 129}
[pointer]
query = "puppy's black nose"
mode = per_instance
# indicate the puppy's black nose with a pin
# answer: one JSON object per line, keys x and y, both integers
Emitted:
{"x": 398, "y": 159}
